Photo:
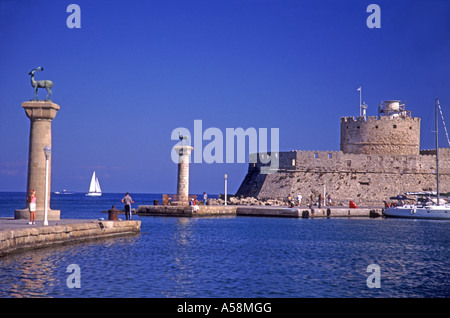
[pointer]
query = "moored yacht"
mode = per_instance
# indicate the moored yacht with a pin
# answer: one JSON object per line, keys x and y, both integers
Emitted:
{"x": 424, "y": 209}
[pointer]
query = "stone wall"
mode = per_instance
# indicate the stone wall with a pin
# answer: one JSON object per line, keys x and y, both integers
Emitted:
{"x": 188, "y": 211}
{"x": 364, "y": 179}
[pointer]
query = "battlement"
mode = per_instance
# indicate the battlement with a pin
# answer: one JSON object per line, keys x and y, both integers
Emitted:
{"x": 338, "y": 161}
{"x": 361, "y": 119}
{"x": 443, "y": 152}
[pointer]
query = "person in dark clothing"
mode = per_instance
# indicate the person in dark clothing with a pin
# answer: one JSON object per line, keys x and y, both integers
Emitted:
{"x": 127, "y": 200}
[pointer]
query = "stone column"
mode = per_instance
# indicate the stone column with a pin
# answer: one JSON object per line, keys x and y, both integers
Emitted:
{"x": 184, "y": 153}
{"x": 41, "y": 114}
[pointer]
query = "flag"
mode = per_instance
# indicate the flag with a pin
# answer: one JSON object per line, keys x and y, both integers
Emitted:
{"x": 359, "y": 89}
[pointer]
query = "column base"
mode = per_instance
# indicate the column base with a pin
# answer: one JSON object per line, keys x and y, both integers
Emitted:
{"x": 52, "y": 215}
{"x": 180, "y": 203}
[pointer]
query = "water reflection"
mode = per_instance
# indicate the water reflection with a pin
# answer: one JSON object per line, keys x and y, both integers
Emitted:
{"x": 181, "y": 272}
{"x": 35, "y": 275}
{"x": 42, "y": 272}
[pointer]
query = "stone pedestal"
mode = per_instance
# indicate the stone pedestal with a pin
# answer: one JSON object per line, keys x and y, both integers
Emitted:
{"x": 41, "y": 114}
{"x": 184, "y": 153}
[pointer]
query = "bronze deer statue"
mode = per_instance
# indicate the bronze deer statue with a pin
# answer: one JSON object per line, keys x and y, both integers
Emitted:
{"x": 40, "y": 84}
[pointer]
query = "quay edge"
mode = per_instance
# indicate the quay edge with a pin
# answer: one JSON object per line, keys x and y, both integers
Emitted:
{"x": 23, "y": 238}
{"x": 262, "y": 211}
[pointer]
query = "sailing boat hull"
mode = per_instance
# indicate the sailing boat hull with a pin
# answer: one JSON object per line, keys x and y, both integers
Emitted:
{"x": 412, "y": 212}
{"x": 93, "y": 194}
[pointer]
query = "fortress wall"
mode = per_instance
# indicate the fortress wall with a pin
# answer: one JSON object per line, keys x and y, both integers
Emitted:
{"x": 364, "y": 179}
{"x": 337, "y": 161}
{"x": 380, "y": 135}
{"x": 364, "y": 189}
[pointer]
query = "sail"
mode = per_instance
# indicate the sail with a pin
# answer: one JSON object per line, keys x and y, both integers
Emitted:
{"x": 97, "y": 186}
{"x": 94, "y": 186}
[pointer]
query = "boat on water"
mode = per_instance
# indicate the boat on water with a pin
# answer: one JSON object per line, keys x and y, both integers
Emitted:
{"x": 65, "y": 192}
{"x": 432, "y": 212}
{"x": 426, "y": 208}
{"x": 94, "y": 187}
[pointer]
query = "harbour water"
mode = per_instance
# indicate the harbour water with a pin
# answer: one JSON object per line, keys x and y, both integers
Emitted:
{"x": 232, "y": 257}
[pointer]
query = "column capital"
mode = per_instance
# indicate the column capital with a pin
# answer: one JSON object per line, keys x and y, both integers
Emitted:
{"x": 40, "y": 109}
{"x": 183, "y": 150}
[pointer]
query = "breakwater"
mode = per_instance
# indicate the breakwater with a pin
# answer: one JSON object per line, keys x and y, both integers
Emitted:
{"x": 262, "y": 211}
{"x": 16, "y": 235}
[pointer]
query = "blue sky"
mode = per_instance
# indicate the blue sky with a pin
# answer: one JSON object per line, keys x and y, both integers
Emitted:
{"x": 136, "y": 70}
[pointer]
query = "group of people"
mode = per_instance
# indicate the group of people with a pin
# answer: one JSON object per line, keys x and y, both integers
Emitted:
{"x": 311, "y": 202}
{"x": 194, "y": 202}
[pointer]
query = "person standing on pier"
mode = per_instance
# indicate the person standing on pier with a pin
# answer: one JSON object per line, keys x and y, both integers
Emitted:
{"x": 127, "y": 200}
{"x": 299, "y": 199}
{"x": 32, "y": 204}
{"x": 205, "y": 198}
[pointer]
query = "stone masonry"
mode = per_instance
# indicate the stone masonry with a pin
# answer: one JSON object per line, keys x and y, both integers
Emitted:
{"x": 364, "y": 179}
{"x": 184, "y": 153}
{"x": 24, "y": 237}
{"x": 384, "y": 135}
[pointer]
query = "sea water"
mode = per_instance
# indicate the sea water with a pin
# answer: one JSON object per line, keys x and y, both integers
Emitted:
{"x": 232, "y": 256}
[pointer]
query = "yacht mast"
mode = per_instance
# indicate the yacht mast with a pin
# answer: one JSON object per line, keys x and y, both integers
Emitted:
{"x": 437, "y": 152}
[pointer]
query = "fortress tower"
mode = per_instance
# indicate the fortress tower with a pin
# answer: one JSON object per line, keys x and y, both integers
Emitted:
{"x": 394, "y": 131}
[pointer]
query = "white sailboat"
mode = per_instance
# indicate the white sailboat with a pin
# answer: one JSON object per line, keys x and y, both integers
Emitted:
{"x": 94, "y": 187}
{"x": 424, "y": 209}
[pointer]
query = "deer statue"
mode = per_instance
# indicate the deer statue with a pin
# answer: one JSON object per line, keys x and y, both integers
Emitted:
{"x": 182, "y": 137}
{"x": 40, "y": 84}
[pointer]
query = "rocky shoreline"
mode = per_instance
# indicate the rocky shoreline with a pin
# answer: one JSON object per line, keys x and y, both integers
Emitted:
{"x": 270, "y": 202}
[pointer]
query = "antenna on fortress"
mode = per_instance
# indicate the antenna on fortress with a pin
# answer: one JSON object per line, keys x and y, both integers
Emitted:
{"x": 364, "y": 108}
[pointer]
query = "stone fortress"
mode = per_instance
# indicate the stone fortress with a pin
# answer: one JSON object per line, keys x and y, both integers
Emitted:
{"x": 379, "y": 157}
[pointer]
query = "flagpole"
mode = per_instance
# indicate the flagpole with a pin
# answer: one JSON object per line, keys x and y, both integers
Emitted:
{"x": 360, "y": 99}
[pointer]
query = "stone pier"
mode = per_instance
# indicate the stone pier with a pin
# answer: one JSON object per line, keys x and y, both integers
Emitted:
{"x": 41, "y": 114}
{"x": 184, "y": 153}
{"x": 17, "y": 235}
{"x": 261, "y": 211}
